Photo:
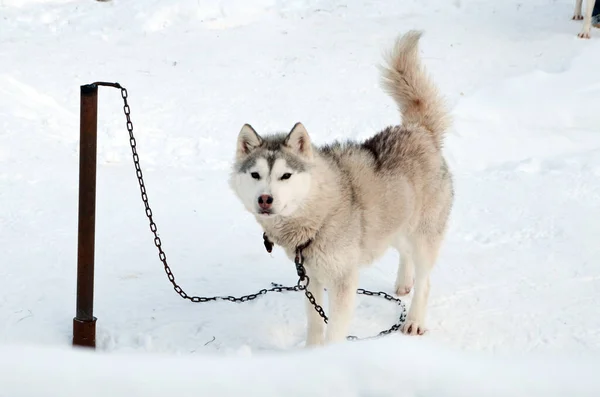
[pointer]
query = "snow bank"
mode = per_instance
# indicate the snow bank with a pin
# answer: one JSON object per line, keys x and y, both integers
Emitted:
{"x": 395, "y": 366}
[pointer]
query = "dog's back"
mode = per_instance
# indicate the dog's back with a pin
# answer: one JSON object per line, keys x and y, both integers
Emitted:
{"x": 398, "y": 179}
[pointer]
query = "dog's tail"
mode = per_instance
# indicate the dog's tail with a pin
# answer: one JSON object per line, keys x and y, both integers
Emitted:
{"x": 415, "y": 94}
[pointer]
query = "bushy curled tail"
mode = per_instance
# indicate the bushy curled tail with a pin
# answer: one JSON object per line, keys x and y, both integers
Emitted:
{"x": 406, "y": 81}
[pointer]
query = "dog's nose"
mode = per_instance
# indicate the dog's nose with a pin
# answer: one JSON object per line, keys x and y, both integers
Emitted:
{"x": 265, "y": 201}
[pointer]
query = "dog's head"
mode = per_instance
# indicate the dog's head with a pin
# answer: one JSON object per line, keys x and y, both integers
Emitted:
{"x": 271, "y": 174}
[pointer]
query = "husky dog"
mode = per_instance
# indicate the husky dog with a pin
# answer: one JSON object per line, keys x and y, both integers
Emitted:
{"x": 354, "y": 200}
{"x": 587, "y": 20}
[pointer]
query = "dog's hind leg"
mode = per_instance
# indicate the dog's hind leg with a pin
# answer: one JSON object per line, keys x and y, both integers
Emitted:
{"x": 425, "y": 248}
{"x": 406, "y": 268}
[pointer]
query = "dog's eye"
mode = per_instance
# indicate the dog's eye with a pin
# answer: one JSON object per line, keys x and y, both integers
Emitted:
{"x": 255, "y": 175}
{"x": 285, "y": 176}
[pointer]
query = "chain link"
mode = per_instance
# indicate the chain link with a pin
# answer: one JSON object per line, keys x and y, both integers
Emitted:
{"x": 303, "y": 280}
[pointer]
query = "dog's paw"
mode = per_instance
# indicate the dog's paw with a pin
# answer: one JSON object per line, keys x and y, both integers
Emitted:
{"x": 402, "y": 290}
{"x": 413, "y": 327}
{"x": 404, "y": 284}
{"x": 577, "y": 17}
{"x": 584, "y": 35}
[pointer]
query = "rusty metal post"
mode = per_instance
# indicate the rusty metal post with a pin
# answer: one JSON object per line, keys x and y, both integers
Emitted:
{"x": 84, "y": 324}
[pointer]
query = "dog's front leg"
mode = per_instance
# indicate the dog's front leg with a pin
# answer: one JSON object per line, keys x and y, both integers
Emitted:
{"x": 587, "y": 20}
{"x": 315, "y": 324}
{"x": 342, "y": 297}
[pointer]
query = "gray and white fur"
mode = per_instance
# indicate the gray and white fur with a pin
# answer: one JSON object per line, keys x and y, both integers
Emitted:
{"x": 354, "y": 200}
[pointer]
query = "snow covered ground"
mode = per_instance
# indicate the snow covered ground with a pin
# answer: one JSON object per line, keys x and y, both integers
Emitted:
{"x": 391, "y": 367}
{"x": 518, "y": 280}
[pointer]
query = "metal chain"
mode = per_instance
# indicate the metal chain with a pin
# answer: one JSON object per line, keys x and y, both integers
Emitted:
{"x": 303, "y": 280}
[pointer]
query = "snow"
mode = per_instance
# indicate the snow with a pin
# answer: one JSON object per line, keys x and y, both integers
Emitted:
{"x": 375, "y": 368}
{"x": 515, "y": 292}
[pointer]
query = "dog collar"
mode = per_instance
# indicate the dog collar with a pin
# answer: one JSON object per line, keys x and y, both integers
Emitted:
{"x": 269, "y": 245}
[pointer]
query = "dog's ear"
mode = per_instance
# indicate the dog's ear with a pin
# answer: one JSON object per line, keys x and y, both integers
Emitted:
{"x": 299, "y": 141}
{"x": 248, "y": 140}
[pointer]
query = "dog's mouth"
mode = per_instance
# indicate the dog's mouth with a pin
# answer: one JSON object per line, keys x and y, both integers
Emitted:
{"x": 265, "y": 212}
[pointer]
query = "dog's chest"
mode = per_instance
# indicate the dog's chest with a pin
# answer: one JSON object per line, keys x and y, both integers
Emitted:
{"x": 288, "y": 234}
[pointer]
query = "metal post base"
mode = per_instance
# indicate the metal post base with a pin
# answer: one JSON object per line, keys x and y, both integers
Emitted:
{"x": 84, "y": 332}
